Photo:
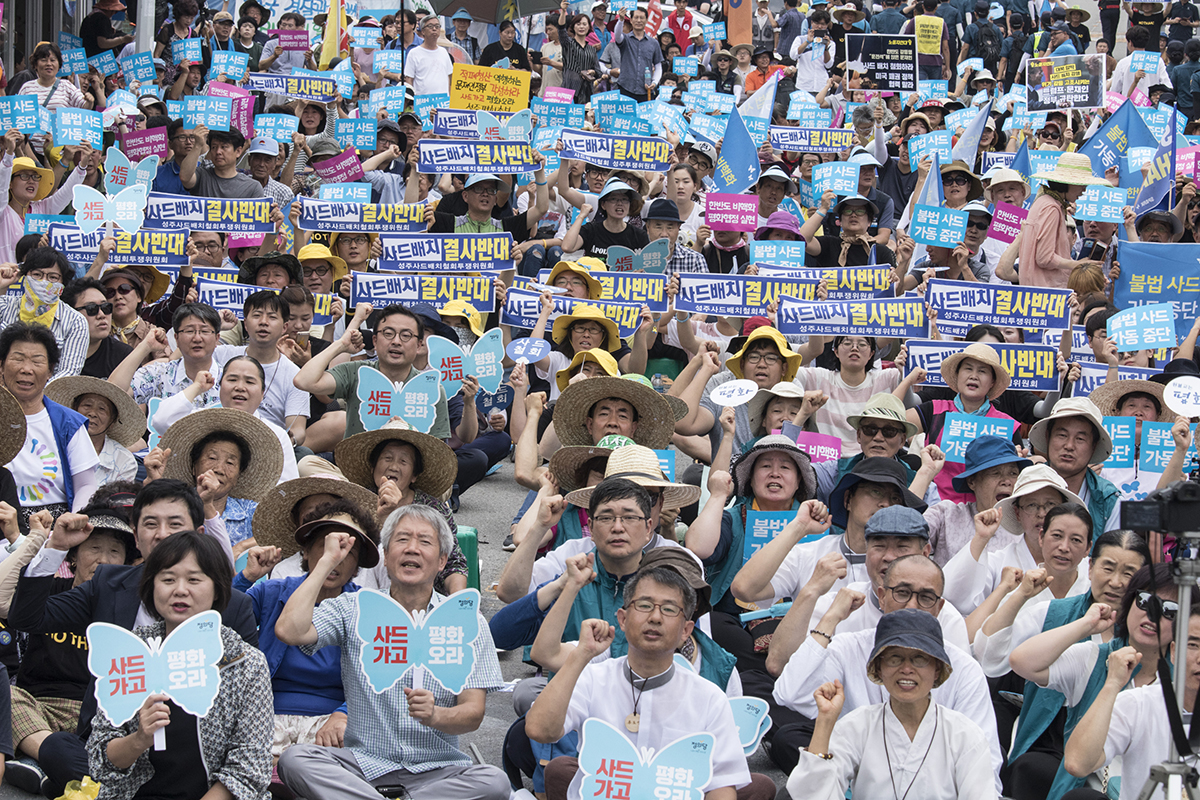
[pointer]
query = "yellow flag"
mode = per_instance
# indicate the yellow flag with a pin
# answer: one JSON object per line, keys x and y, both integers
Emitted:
{"x": 330, "y": 45}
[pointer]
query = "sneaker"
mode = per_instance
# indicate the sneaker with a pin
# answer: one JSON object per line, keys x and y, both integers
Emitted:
{"x": 25, "y": 774}
{"x": 509, "y": 545}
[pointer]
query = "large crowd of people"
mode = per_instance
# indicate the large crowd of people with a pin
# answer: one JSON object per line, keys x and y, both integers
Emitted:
{"x": 715, "y": 506}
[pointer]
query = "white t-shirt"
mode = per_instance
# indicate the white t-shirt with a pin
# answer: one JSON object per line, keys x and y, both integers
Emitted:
{"x": 798, "y": 566}
{"x": 845, "y": 399}
{"x": 38, "y": 468}
{"x": 1140, "y": 735}
{"x": 430, "y": 70}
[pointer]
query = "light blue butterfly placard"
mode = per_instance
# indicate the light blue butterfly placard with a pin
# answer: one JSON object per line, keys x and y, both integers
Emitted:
{"x": 122, "y": 174}
{"x": 151, "y": 409}
{"x": 613, "y": 768}
{"x": 518, "y": 127}
{"x": 528, "y": 351}
{"x": 651, "y": 258}
{"x": 497, "y": 401}
{"x": 380, "y": 400}
{"x": 440, "y": 643}
{"x": 183, "y": 666}
{"x": 749, "y": 714}
{"x": 126, "y": 209}
{"x": 454, "y": 363}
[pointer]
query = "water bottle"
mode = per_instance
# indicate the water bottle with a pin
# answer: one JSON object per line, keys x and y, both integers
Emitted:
{"x": 647, "y": 74}
{"x": 658, "y": 383}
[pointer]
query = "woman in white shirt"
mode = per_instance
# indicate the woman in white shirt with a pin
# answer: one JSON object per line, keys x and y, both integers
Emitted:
{"x": 940, "y": 748}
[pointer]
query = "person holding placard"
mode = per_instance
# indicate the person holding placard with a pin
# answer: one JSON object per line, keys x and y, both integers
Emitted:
{"x": 180, "y": 28}
{"x": 407, "y": 734}
{"x": 1045, "y": 250}
{"x": 229, "y": 745}
{"x": 30, "y": 189}
{"x": 852, "y": 247}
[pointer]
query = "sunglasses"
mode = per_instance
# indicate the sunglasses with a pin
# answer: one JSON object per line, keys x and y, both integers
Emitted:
{"x": 123, "y": 288}
{"x": 1154, "y": 605}
{"x": 956, "y": 179}
{"x": 889, "y": 432}
{"x": 979, "y": 225}
{"x": 1049, "y": 135}
{"x": 92, "y": 309}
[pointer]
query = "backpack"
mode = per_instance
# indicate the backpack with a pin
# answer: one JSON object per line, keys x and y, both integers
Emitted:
{"x": 1014, "y": 57}
{"x": 988, "y": 44}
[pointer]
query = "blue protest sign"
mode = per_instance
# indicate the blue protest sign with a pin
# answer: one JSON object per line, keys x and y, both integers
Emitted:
{"x": 365, "y": 37}
{"x": 1033, "y": 367}
{"x": 527, "y": 351}
{"x": 415, "y": 402}
{"x": 105, "y": 63}
{"x": 69, "y": 41}
{"x": 522, "y": 308}
{"x": 229, "y": 63}
{"x": 1093, "y": 376}
{"x": 393, "y": 643}
{"x": 928, "y": 90}
{"x": 1121, "y": 131}
{"x": 838, "y": 177}
{"x": 991, "y": 160}
{"x": 40, "y": 223}
{"x": 651, "y": 258}
{"x": 806, "y": 193}
{"x": 1159, "y": 273}
{"x": 974, "y": 63}
{"x": 74, "y": 63}
{"x": 777, "y": 252}
{"x": 940, "y": 227}
{"x": 224, "y": 295}
{"x": 1146, "y": 60}
{"x": 890, "y": 316}
{"x": 810, "y": 116}
{"x": 357, "y": 133}
{"x": 214, "y": 113}
{"x": 187, "y": 50}
{"x": 483, "y": 361}
{"x": 175, "y": 212}
{"x": 78, "y": 125}
{"x": 424, "y": 106}
{"x": 1147, "y": 327}
{"x": 20, "y": 112}
{"x": 322, "y": 215}
{"x": 616, "y": 152}
{"x": 174, "y": 108}
{"x": 396, "y": 287}
{"x": 1003, "y": 306}
{"x": 627, "y": 287}
{"x": 922, "y": 146}
{"x": 714, "y": 31}
{"x": 502, "y": 399}
{"x": 611, "y": 767}
{"x": 761, "y": 528}
{"x": 686, "y": 65}
{"x": 960, "y": 119}
{"x": 1159, "y": 180}
{"x": 841, "y": 283}
{"x": 1157, "y": 447}
{"x": 666, "y": 463}
{"x": 387, "y": 60}
{"x": 458, "y": 252}
{"x": 279, "y": 127}
{"x": 157, "y": 248}
{"x": 138, "y": 67}
{"x": 606, "y": 104}
{"x": 664, "y": 115}
{"x": 737, "y": 295}
{"x": 708, "y": 126}
{"x": 1122, "y": 431}
{"x": 356, "y": 192}
{"x": 962, "y": 429}
{"x": 628, "y": 125}
{"x": 548, "y": 113}
{"x": 810, "y": 140}
{"x": 183, "y": 666}
{"x": 438, "y": 157}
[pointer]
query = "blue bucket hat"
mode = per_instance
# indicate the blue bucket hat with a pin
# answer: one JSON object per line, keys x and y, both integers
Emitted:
{"x": 984, "y": 453}
{"x": 897, "y": 521}
{"x": 886, "y": 471}
{"x": 912, "y": 629}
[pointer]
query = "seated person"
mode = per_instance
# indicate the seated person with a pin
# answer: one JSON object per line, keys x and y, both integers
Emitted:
{"x": 115, "y": 423}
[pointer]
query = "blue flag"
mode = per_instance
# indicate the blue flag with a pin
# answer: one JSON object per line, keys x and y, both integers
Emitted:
{"x": 968, "y": 144}
{"x": 1159, "y": 183}
{"x": 737, "y": 167}
{"x": 1109, "y": 144}
{"x": 756, "y": 111}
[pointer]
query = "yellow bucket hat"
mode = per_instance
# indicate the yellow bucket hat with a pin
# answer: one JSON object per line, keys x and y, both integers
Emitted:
{"x": 45, "y": 176}
{"x": 319, "y": 252}
{"x": 601, "y": 357}
{"x": 593, "y": 285}
{"x": 792, "y": 360}
{"x": 461, "y": 308}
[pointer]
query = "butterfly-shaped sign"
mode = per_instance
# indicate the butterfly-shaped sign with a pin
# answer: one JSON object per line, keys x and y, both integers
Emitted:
{"x": 441, "y": 642}
{"x": 612, "y": 767}
{"x": 484, "y": 361}
{"x": 126, "y": 209}
{"x": 183, "y": 666}
{"x": 500, "y": 400}
{"x": 380, "y": 400}
{"x": 122, "y": 173}
{"x": 749, "y": 714}
{"x": 651, "y": 258}
{"x": 527, "y": 350}
{"x": 518, "y": 127}
{"x": 151, "y": 409}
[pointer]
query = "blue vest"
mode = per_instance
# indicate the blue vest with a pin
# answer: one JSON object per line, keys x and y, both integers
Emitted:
{"x": 569, "y": 527}
{"x": 1102, "y": 499}
{"x": 66, "y": 423}
{"x": 720, "y": 576}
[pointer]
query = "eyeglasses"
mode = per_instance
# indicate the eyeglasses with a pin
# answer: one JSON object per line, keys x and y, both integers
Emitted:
{"x": 903, "y": 594}
{"x": 770, "y": 359}
{"x": 43, "y": 275}
{"x": 896, "y": 660}
{"x": 27, "y": 176}
{"x": 320, "y": 272}
{"x": 1152, "y": 603}
{"x": 608, "y": 520}
{"x": 647, "y": 607}
{"x": 92, "y": 309}
{"x": 1039, "y": 508}
{"x": 852, "y": 344}
{"x": 197, "y": 333}
{"x": 594, "y": 330}
{"x": 391, "y": 334}
{"x": 855, "y": 211}
{"x": 184, "y": 137}
{"x": 569, "y": 283}
{"x": 956, "y": 179}
{"x": 871, "y": 431}
{"x": 979, "y": 225}
{"x": 208, "y": 247}
{"x": 359, "y": 240}
{"x": 485, "y": 188}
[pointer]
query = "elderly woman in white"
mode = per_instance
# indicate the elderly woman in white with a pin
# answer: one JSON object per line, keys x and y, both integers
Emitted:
{"x": 921, "y": 742}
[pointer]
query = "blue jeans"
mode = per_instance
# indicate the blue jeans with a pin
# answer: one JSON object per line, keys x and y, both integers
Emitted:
{"x": 930, "y": 73}
{"x": 537, "y": 258}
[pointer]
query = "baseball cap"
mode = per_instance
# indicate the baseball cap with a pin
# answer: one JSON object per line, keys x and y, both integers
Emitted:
{"x": 262, "y": 145}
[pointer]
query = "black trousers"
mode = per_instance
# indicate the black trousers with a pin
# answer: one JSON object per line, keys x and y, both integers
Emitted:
{"x": 1109, "y": 22}
{"x": 63, "y": 757}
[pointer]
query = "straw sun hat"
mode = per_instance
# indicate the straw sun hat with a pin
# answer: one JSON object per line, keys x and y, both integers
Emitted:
{"x": 655, "y": 419}
{"x": 12, "y": 427}
{"x": 640, "y": 465}
{"x": 439, "y": 465}
{"x": 984, "y": 354}
{"x": 273, "y": 522}
{"x": 266, "y": 456}
{"x": 128, "y": 425}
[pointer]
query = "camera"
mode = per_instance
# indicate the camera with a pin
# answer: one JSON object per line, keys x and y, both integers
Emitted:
{"x": 1175, "y": 509}
{"x": 535, "y": 56}
{"x": 1090, "y": 249}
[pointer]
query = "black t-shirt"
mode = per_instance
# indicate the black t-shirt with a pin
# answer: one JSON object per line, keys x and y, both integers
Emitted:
{"x": 1152, "y": 23}
{"x": 597, "y": 239}
{"x": 179, "y": 772}
{"x": 517, "y": 56}
{"x": 895, "y": 183}
{"x": 518, "y": 226}
{"x": 857, "y": 256}
{"x": 55, "y": 664}
{"x": 94, "y": 26}
{"x": 108, "y": 357}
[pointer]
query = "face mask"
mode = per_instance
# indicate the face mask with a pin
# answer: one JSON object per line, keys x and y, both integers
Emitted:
{"x": 44, "y": 292}
{"x": 40, "y": 301}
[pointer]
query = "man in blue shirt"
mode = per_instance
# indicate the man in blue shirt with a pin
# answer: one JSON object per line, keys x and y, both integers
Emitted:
{"x": 888, "y": 21}
{"x": 791, "y": 23}
{"x": 180, "y": 142}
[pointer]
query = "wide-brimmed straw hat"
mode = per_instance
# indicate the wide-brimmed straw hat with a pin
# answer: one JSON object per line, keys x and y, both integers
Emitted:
{"x": 1086, "y": 14}
{"x": 884, "y": 406}
{"x": 1032, "y": 479}
{"x": 655, "y": 420}
{"x": 640, "y": 465}
{"x": 593, "y": 285}
{"x": 842, "y": 11}
{"x": 368, "y": 545}
{"x": 743, "y": 468}
{"x": 591, "y": 314}
{"x": 566, "y": 462}
{"x": 1039, "y": 434}
{"x": 45, "y": 176}
{"x": 1108, "y": 396}
{"x": 984, "y": 354}
{"x": 250, "y": 267}
{"x": 914, "y": 117}
{"x": 439, "y": 466}
{"x": 911, "y": 629}
{"x": 154, "y": 283}
{"x": 319, "y": 252}
{"x": 976, "y": 186}
{"x": 757, "y": 407}
{"x": 1005, "y": 175}
{"x": 130, "y": 423}
{"x": 791, "y": 360}
{"x": 12, "y": 426}
{"x": 1073, "y": 169}
{"x": 266, "y": 456}
{"x": 273, "y": 523}
{"x": 601, "y": 357}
